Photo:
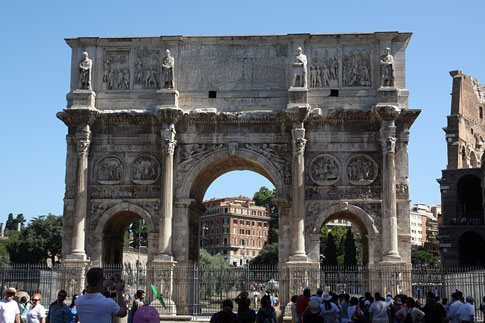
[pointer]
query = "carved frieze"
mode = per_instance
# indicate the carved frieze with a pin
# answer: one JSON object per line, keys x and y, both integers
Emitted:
{"x": 361, "y": 170}
{"x": 109, "y": 192}
{"x": 109, "y": 170}
{"x": 145, "y": 170}
{"x": 479, "y": 90}
{"x": 356, "y": 67}
{"x": 324, "y": 170}
{"x": 324, "y": 70}
{"x": 116, "y": 74}
{"x": 342, "y": 192}
{"x": 147, "y": 69}
{"x": 278, "y": 155}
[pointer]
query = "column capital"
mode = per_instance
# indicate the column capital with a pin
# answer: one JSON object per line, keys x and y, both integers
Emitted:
{"x": 298, "y": 140}
{"x": 83, "y": 140}
{"x": 168, "y": 139}
{"x": 386, "y": 112}
{"x": 281, "y": 203}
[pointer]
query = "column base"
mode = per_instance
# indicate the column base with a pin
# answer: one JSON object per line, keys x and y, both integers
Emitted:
{"x": 392, "y": 257}
{"x": 298, "y": 258}
{"x": 76, "y": 257}
{"x": 164, "y": 259}
{"x": 81, "y": 98}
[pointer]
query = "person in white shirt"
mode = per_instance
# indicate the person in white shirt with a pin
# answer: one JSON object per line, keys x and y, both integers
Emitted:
{"x": 379, "y": 311}
{"x": 37, "y": 311}
{"x": 454, "y": 306}
{"x": 9, "y": 309}
{"x": 466, "y": 312}
{"x": 94, "y": 306}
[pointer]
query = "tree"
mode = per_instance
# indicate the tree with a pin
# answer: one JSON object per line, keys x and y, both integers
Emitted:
{"x": 12, "y": 223}
{"x": 206, "y": 259}
{"x": 330, "y": 251}
{"x": 267, "y": 256}
{"x": 350, "y": 256}
{"x": 140, "y": 236}
{"x": 39, "y": 241}
{"x": 421, "y": 257}
{"x": 264, "y": 197}
{"x": 4, "y": 256}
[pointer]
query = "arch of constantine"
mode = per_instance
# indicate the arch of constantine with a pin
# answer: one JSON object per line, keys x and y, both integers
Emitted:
{"x": 153, "y": 121}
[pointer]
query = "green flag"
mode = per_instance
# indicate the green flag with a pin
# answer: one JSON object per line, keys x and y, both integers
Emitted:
{"x": 158, "y": 296}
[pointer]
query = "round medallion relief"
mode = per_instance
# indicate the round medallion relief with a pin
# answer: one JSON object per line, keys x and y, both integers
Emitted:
{"x": 324, "y": 170}
{"x": 109, "y": 170}
{"x": 361, "y": 170}
{"x": 145, "y": 170}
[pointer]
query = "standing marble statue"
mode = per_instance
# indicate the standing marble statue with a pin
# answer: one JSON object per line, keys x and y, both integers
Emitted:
{"x": 85, "y": 68}
{"x": 168, "y": 64}
{"x": 387, "y": 68}
{"x": 299, "y": 70}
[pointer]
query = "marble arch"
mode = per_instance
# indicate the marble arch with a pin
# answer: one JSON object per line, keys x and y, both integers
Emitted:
{"x": 308, "y": 111}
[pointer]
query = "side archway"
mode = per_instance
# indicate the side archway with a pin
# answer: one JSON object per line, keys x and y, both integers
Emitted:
{"x": 363, "y": 222}
{"x": 111, "y": 228}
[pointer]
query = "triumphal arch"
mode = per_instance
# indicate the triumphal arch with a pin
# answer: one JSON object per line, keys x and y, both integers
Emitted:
{"x": 153, "y": 121}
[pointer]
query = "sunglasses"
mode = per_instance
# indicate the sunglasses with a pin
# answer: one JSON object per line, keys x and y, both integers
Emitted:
{"x": 35, "y": 300}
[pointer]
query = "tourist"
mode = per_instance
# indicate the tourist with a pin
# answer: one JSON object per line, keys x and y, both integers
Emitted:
{"x": 37, "y": 311}
{"x": 302, "y": 303}
{"x": 444, "y": 302}
{"x": 294, "y": 313}
{"x": 379, "y": 311}
{"x": 243, "y": 303}
{"x": 256, "y": 299}
{"x": 74, "y": 317}
{"x": 93, "y": 306}
{"x": 225, "y": 315}
{"x": 433, "y": 311}
{"x": 137, "y": 303}
{"x": 9, "y": 309}
{"x": 354, "y": 312}
{"x": 466, "y": 312}
{"x": 59, "y": 312}
{"x": 390, "y": 302}
{"x": 24, "y": 308}
{"x": 318, "y": 296}
{"x": 251, "y": 316}
{"x": 344, "y": 305}
{"x": 415, "y": 314}
{"x": 482, "y": 306}
{"x": 266, "y": 313}
{"x": 328, "y": 309}
{"x": 313, "y": 315}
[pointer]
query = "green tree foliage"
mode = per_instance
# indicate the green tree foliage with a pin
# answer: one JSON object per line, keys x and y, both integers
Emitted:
{"x": 330, "y": 251}
{"x": 216, "y": 261}
{"x": 339, "y": 235}
{"x": 267, "y": 256}
{"x": 12, "y": 223}
{"x": 140, "y": 234}
{"x": 421, "y": 257}
{"x": 350, "y": 250}
{"x": 4, "y": 256}
{"x": 264, "y": 197}
{"x": 39, "y": 241}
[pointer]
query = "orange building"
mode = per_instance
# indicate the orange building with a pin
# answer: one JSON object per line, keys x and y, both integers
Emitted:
{"x": 235, "y": 228}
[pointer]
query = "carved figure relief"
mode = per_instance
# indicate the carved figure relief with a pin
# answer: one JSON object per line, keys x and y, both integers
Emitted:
{"x": 145, "y": 170}
{"x": 278, "y": 155}
{"x": 324, "y": 68}
{"x": 116, "y": 74}
{"x": 147, "y": 75}
{"x": 299, "y": 70}
{"x": 85, "y": 68}
{"x": 324, "y": 170}
{"x": 109, "y": 170}
{"x": 168, "y": 65}
{"x": 387, "y": 68}
{"x": 356, "y": 67}
{"x": 479, "y": 90}
{"x": 361, "y": 170}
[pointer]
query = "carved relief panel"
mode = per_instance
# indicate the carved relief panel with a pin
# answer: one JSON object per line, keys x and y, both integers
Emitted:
{"x": 325, "y": 170}
{"x": 147, "y": 69}
{"x": 145, "y": 170}
{"x": 116, "y": 70}
{"x": 324, "y": 68}
{"x": 356, "y": 67}
{"x": 109, "y": 170}
{"x": 361, "y": 170}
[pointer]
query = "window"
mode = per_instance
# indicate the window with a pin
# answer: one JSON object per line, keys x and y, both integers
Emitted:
{"x": 241, "y": 231}
{"x": 265, "y": 224}
{"x": 226, "y": 230}
{"x": 481, "y": 112}
{"x": 217, "y": 221}
{"x": 248, "y": 222}
{"x": 259, "y": 233}
{"x": 225, "y": 243}
{"x": 253, "y": 232}
{"x": 217, "y": 230}
{"x": 260, "y": 224}
{"x": 226, "y": 220}
{"x": 235, "y": 221}
{"x": 225, "y": 252}
{"x": 242, "y": 242}
{"x": 226, "y": 210}
{"x": 248, "y": 232}
{"x": 217, "y": 241}
{"x": 253, "y": 223}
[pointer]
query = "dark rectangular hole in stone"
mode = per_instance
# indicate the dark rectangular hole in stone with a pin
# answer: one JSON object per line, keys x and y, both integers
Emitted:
{"x": 333, "y": 92}
{"x": 212, "y": 94}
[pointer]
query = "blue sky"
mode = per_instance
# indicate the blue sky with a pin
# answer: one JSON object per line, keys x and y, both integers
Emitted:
{"x": 34, "y": 77}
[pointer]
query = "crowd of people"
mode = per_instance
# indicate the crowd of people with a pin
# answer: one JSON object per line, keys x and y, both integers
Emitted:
{"x": 329, "y": 307}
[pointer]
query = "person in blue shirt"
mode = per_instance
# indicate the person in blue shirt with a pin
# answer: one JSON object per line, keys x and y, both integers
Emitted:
{"x": 59, "y": 312}
{"x": 74, "y": 318}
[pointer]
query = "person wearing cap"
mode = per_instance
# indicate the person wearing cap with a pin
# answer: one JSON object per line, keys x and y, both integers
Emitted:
{"x": 24, "y": 308}
{"x": 454, "y": 307}
{"x": 466, "y": 312}
{"x": 312, "y": 314}
{"x": 37, "y": 311}
{"x": 318, "y": 297}
{"x": 328, "y": 309}
{"x": 9, "y": 310}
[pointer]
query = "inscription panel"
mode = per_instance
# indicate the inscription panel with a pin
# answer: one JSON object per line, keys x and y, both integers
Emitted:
{"x": 232, "y": 67}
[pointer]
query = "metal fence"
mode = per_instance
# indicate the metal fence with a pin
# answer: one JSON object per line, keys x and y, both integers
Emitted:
{"x": 193, "y": 289}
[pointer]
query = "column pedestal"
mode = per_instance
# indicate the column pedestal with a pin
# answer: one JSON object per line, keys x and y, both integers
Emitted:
{"x": 297, "y": 98}
{"x": 73, "y": 276}
{"x": 161, "y": 275}
{"x": 80, "y": 99}
{"x": 167, "y": 98}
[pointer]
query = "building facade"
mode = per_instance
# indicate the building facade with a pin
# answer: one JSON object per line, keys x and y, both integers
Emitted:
{"x": 462, "y": 229}
{"x": 424, "y": 226}
{"x": 235, "y": 228}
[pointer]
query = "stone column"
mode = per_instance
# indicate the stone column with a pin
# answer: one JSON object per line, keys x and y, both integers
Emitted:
{"x": 389, "y": 213}
{"x": 82, "y": 142}
{"x": 297, "y": 252}
{"x": 165, "y": 237}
